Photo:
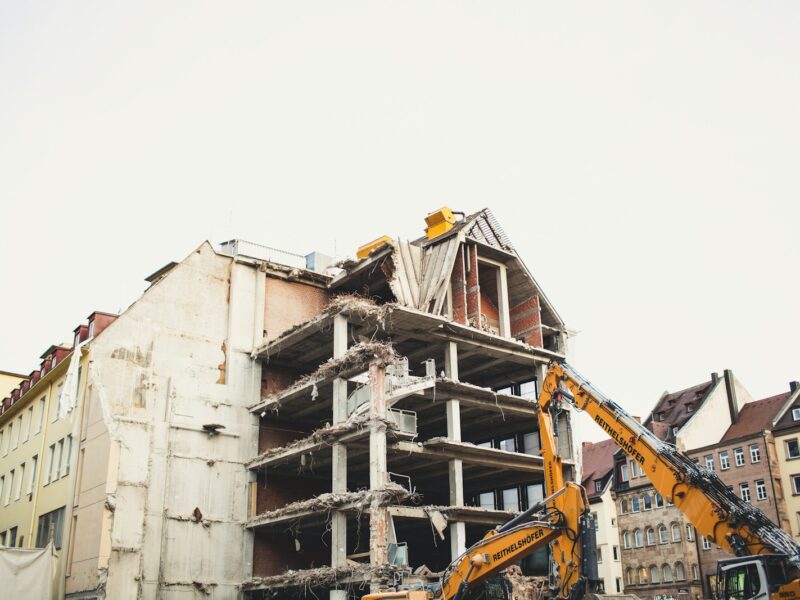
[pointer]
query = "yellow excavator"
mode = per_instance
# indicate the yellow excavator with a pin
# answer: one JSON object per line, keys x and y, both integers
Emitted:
{"x": 767, "y": 559}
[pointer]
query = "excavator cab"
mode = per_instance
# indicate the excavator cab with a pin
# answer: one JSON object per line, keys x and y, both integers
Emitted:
{"x": 756, "y": 577}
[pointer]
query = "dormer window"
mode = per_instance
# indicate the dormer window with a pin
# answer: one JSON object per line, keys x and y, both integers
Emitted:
{"x": 91, "y": 329}
{"x": 796, "y": 414}
{"x": 77, "y": 339}
{"x": 689, "y": 408}
{"x": 53, "y": 361}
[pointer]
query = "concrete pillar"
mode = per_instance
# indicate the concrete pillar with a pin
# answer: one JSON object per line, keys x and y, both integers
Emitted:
{"x": 339, "y": 456}
{"x": 455, "y": 467}
{"x": 502, "y": 301}
{"x": 378, "y": 471}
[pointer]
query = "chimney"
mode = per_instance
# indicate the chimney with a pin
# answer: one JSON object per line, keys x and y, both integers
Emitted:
{"x": 714, "y": 377}
{"x": 730, "y": 388}
{"x": 793, "y": 385}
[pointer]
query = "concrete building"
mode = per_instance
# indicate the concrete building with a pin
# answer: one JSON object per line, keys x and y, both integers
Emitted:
{"x": 37, "y": 447}
{"x": 597, "y": 478}
{"x": 746, "y": 460}
{"x": 786, "y": 435}
{"x": 397, "y": 403}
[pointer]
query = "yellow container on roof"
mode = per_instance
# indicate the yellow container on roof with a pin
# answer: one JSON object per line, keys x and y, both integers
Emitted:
{"x": 439, "y": 222}
{"x": 369, "y": 247}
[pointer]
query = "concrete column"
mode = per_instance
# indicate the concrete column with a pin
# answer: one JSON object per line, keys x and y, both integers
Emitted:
{"x": 339, "y": 457}
{"x": 378, "y": 471}
{"x": 502, "y": 301}
{"x": 455, "y": 467}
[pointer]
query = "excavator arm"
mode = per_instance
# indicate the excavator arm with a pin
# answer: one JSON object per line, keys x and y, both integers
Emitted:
{"x": 716, "y": 512}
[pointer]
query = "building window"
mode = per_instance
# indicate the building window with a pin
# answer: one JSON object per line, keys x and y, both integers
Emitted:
{"x": 666, "y": 572}
{"x": 635, "y": 504}
{"x": 485, "y": 499}
{"x": 598, "y": 485}
{"x": 755, "y": 453}
{"x": 647, "y": 503}
{"x": 599, "y": 556}
{"x": 796, "y": 414}
{"x": 530, "y": 443}
{"x": 792, "y": 448}
{"x": 69, "y": 454}
{"x": 629, "y": 576}
{"x": 596, "y": 522}
{"x": 796, "y": 484}
{"x": 644, "y": 576}
{"x": 34, "y": 467}
{"x": 676, "y": 532}
{"x": 618, "y": 582}
{"x": 535, "y": 493}
{"x": 689, "y": 408}
{"x": 10, "y": 486}
{"x": 30, "y": 423}
{"x": 655, "y": 574}
{"x": 662, "y": 534}
{"x": 56, "y": 518}
{"x": 613, "y": 522}
{"x": 659, "y": 500}
{"x": 3, "y": 486}
{"x": 615, "y": 550}
{"x": 623, "y": 472}
{"x": 12, "y": 537}
{"x": 738, "y": 457}
{"x": 21, "y": 478}
{"x": 623, "y": 507}
{"x": 42, "y": 411}
{"x": 724, "y": 461}
{"x": 509, "y": 444}
{"x": 706, "y": 544}
{"x": 51, "y": 455}
{"x": 651, "y": 536}
{"x": 10, "y": 436}
{"x": 19, "y": 432}
{"x": 511, "y": 499}
{"x": 710, "y": 462}
{"x": 59, "y": 457}
{"x": 626, "y": 538}
{"x": 761, "y": 490}
{"x": 680, "y": 575}
{"x": 694, "y": 572}
{"x": 689, "y": 533}
{"x": 637, "y": 538}
{"x": 744, "y": 490}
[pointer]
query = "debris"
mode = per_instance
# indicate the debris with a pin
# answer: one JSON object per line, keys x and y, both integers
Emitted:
{"x": 524, "y": 587}
{"x": 424, "y": 571}
{"x": 322, "y": 576}
{"x": 197, "y": 516}
{"x": 438, "y": 521}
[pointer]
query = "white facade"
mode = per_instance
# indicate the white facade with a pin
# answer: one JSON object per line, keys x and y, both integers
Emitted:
{"x": 609, "y": 564}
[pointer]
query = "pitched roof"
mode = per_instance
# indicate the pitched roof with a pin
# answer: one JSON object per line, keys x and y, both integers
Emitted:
{"x": 675, "y": 406}
{"x": 598, "y": 461}
{"x": 755, "y": 417}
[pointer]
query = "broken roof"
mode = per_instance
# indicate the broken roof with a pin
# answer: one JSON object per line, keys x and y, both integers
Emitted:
{"x": 755, "y": 417}
{"x": 678, "y": 407}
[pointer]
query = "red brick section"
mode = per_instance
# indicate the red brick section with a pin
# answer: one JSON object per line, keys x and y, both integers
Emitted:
{"x": 274, "y": 379}
{"x": 457, "y": 280}
{"x": 290, "y": 303}
{"x": 473, "y": 287}
{"x": 276, "y": 552}
{"x": 490, "y": 315}
{"x": 275, "y": 436}
{"x": 526, "y": 321}
{"x": 101, "y": 321}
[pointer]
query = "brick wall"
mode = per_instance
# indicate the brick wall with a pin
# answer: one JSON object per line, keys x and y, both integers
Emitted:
{"x": 289, "y": 303}
{"x": 490, "y": 315}
{"x": 276, "y": 491}
{"x": 526, "y": 321}
{"x": 473, "y": 286}
{"x": 458, "y": 283}
{"x": 276, "y": 552}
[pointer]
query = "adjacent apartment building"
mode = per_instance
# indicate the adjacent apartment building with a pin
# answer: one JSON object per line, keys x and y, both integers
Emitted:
{"x": 786, "y": 435}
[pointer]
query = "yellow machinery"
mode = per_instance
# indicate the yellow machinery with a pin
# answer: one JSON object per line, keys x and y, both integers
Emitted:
{"x": 767, "y": 563}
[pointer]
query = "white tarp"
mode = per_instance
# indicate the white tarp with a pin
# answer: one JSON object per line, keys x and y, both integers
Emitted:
{"x": 69, "y": 393}
{"x": 27, "y": 573}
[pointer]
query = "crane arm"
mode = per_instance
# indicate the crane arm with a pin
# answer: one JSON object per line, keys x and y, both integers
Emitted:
{"x": 715, "y": 511}
{"x": 558, "y": 522}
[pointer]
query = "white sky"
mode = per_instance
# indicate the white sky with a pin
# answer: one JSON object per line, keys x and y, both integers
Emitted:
{"x": 643, "y": 159}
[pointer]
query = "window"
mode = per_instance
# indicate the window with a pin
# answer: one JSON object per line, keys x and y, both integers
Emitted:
{"x": 599, "y": 556}
{"x": 34, "y": 466}
{"x": 91, "y": 329}
{"x": 796, "y": 414}
{"x": 42, "y": 411}
{"x": 755, "y": 453}
{"x": 598, "y": 485}
{"x": 655, "y": 574}
{"x": 680, "y": 575}
{"x": 629, "y": 576}
{"x": 738, "y": 457}
{"x": 651, "y": 536}
{"x": 761, "y": 490}
{"x": 10, "y": 437}
{"x": 623, "y": 472}
{"x": 623, "y": 507}
{"x": 10, "y": 486}
{"x": 666, "y": 572}
{"x": 626, "y": 539}
{"x": 647, "y": 503}
{"x": 635, "y": 504}
{"x": 51, "y": 455}
{"x": 511, "y": 499}
{"x": 613, "y": 522}
{"x": 676, "y": 532}
{"x": 618, "y": 583}
{"x": 30, "y": 422}
{"x": 21, "y": 478}
{"x": 724, "y": 460}
{"x": 486, "y": 500}
{"x": 706, "y": 544}
{"x": 689, "y": 408}
{"x": 644, "y": 576}
{"x": 710, "y": 462}
{"x": 694, "y": 572}
{"x": 19, "y": 431}
{"x": 530, "y": 443}
{"x": 744, "y": 489}
{"x": 12, "y": 537}
{"x": 2, "y": 485}
{"x": 69, "y": 454}
{"x": 634, "y": 471}
{"x": 637, "y": 538}
{"x": 59, "y": 457}
{"x": 535, "y": 493}
{"x": 792, "y": 448}
{"x": 689, "y": 533}
{"x": 3, "y": 539}
{"x": 662, "y": 534}
{"x": 659, "y": 500}
{"x": 54, "y": 518}
{"x": 509, "y": 445}
{"x": 796, "y": 484}
{"x": 56, "y": 402}
{"x": 596, "y": 522}
{"x": 615, "y": 550}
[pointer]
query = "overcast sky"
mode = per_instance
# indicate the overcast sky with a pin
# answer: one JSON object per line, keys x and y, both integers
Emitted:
{"x": 642, "y": 158}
